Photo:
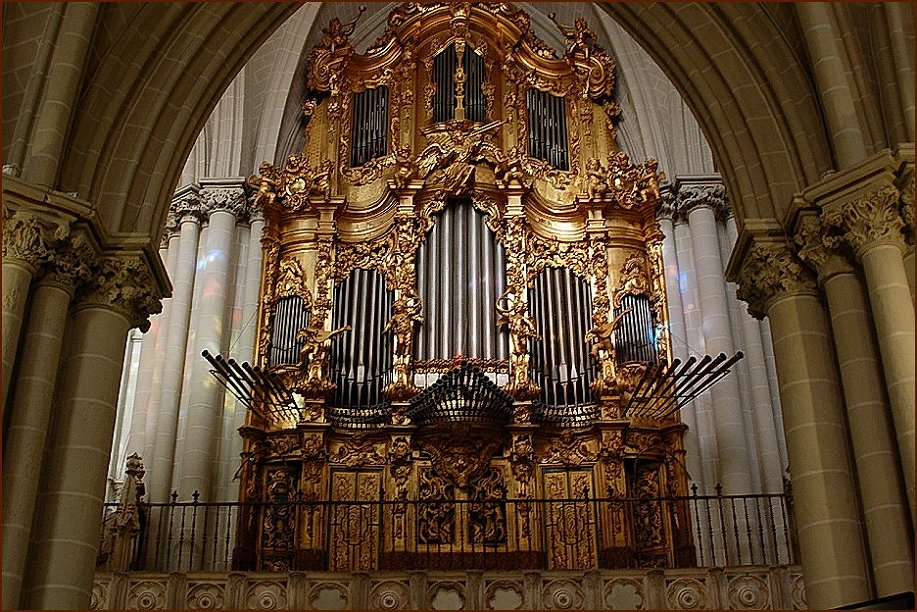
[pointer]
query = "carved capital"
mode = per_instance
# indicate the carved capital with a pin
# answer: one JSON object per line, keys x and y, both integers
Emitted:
{"x": 822, "y": 248}
{"x": 696, "y": 195}
{"x": 907, "y": 203}
{"x": 31, "y": 239}
{"x": 770, "y": 271}
{"x": 869, "y": 221}
{"x": 172, "y": 228}
{"x": 667, "y": 203}
{"x": 71, "y": 264}
{"x": 224, "y": 199}
{"x": 126, "y": 285}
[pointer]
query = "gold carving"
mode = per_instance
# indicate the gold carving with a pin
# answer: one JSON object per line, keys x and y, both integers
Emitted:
{"x": 568, "y": 449}
{"x": 634, "y": 279}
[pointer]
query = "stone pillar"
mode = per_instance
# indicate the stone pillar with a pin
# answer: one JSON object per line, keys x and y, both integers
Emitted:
{"x": 767, "y": 345}
{"x": 698, "y": 201}
{"x": 872, "y": 225}
{"x": 150, "y": 348}
{"x": 202, "y": 424}
{"x": 677, "y": 331}
{"x": 880, "y": 485}
{"x": 159, "y": 476}
{"x": 27, "y": 243}
{"x": 775, "y": 283}
{"x": 31, "y": 408}
{"x": 66, "y": 539}
{"x": 245, "y": 345}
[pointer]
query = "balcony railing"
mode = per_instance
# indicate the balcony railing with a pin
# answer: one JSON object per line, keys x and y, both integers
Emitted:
{"x": 582, "y": 534}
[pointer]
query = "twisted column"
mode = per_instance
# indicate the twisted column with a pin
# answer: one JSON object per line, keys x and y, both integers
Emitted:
{"x": 698, "y": 201}
{"x": 202, "y": 423}
{"x": 880, "y": 486}
{"x": 775, "y": 284}
{"x": 31, "y": 406}
{"x": 165, "y": 408}
{"x": 873, "y": 226}
{"x": 66, "y": 540}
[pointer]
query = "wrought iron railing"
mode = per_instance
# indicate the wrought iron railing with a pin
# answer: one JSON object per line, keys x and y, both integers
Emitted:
{"x": 720, "y": 530}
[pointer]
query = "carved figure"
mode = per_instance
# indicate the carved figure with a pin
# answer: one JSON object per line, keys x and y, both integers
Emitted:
{"x": 314, "y": 349}
{"x": 455, "y": 153}
{"x": 579, "y": 38}
{"x": 405, "y": 313}
{"x": 513, "y": 316}
{"x": 405, "y": 168}
{"x": 596, "y": 179}
{"x": 601, "y": 335}
{"x": 336, "y": 35}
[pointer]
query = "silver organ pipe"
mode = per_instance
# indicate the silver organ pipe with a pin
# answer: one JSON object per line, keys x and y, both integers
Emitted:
{"x": 635, "y": 336}
{"x": 444, "y": 66}
{"x": 547, "y": 126}
{"x": 290, "y": 316}
{"x": 475, "y": 104}
{"x": 362, "y": 358}
{"x": 369, "y": 129}
{"x": 464, "y": 268}
{"x": 561, "y": 306}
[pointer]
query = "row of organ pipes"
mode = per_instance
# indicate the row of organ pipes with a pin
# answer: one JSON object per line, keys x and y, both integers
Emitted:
{"x": 548, "y": 128}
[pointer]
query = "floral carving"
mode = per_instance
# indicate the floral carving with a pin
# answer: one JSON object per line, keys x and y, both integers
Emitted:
{"x": 125, "y": 285}
{"x": 389, "y": 595}
{"x": 748, "y": 593}
{"x": 562, "y": 595}
{"x": 821, "y": 248}
{"x": 29, "y": 238}
{"x": 869, "y": 221}
{"x": 147, "y": 595}
{"x": 266, "y": 596}
{"x": 686, "y": 594}
{"x": 206, "y": 596}
{"x": 568, "y": 449}
{"x": 768, "y": 271}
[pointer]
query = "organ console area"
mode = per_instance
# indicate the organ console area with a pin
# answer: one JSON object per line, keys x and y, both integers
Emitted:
{"x": 462, "y": 301}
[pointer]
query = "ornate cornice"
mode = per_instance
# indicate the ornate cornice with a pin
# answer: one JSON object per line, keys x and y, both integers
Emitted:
{"x": 124, "y": 284}
{"x": 822, "y": 248}
{"x": 771, "y": 270}
{"x": 869, "y": 221}
{"x": 30, "y": 238}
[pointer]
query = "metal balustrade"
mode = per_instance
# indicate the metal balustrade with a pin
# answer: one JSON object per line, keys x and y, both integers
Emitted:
{"x": 581, "y": 534}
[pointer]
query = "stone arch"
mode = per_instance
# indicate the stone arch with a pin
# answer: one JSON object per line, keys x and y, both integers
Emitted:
{"x": 149, "y": 96}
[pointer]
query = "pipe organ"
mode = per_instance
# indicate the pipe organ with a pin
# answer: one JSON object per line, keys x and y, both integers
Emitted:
{"x": 462, "y": 286}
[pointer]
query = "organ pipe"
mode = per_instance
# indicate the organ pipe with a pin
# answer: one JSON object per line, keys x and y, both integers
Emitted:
{"x": 547, "y": 126}
{"x": 369, "y": 131}
{"x": 635, "y": 336}
{"x": 290, "y": 316}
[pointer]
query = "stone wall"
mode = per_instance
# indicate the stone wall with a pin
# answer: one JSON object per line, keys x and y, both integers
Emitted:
{"x": 703, "y": 588}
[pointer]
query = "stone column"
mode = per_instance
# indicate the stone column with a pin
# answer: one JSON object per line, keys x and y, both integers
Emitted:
{"x": 27, "y": 243}
{"x": 31, "y": 408}
{"x": 873, "y": 226}
{"x": 151, "y": 345}
{"x": 767, "y": 345}
{"x": 66, "y": 539}
{"x": 698, "y": 201}
{"x": 776, "y": 284}
{"x": 202, "y": 424}
{"x": 245, "y": 345}
{"x": 159, "y": 476}
{"x": 677, "y": 331}
{"x": 871, "y": 431}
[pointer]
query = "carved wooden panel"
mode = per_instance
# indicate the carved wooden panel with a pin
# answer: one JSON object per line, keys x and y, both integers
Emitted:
{"x": 353, "y": 543}
{"x": 570, "y": 525}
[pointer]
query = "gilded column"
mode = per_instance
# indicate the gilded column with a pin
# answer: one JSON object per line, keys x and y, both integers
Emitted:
{"x": 873, "y": 226}
{"x": 27, "y": 243}
{"x": 202, "y": 424}
{"x": 159, "y": 475}
{"x": 31, "y": 406}
{"x": 66, "y": 539}
{"x": 698, "y": 200}
{"x": 775, "y": 284}
{"x": 871, "y": 431}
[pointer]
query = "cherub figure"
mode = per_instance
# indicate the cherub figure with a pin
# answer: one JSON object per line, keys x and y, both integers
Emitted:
{"x": 596, "y": 179}
{"x": 314, "y": 337}
{"x": 336, "y": 35}
{"x": 405, "y": 168}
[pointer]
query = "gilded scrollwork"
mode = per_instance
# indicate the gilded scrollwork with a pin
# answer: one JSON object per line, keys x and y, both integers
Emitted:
{"x": 634, "y": 279}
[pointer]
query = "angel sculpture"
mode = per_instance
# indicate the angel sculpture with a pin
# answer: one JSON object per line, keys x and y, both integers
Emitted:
{"x": 314, "y": 337}
{"x": 521, "y": 326}
{"x": 600, "y": 335}
{"x": 405, "y": 313}
{"x": 578, "y": 38}
{"x": 455, "y": 152}
{"x": 336, "y": 34}
{"x": 405, "y": 168}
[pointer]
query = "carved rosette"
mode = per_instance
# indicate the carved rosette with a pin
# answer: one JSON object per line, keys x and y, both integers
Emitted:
{"x": 869, "y": 221}
{"x": 125, "y": 285}
{"x": 771, "y": 270}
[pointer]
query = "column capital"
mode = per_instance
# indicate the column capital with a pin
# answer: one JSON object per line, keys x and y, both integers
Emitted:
{"x": 667, "y": 204}
{"x": 224, "y": 195}
{"x": 126, "y": 284}
{"x": 869, "y": 220}
{"x": 172, "y": 228}
{"x": 768, "y": 271}
{"x": 693, "y": 194}
{"x": 72, "y": 264}
{"x": 32, "y": 238}
{"x": 822, "y": 248}
{"x": 186, "y": 204}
